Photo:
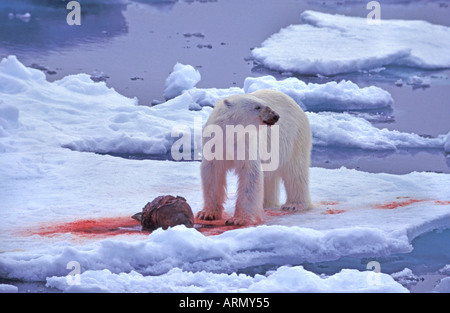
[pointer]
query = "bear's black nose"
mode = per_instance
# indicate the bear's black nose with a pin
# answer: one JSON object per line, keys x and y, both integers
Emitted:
{"x": 272, "y": 120}
{"x": 276, "y": 117}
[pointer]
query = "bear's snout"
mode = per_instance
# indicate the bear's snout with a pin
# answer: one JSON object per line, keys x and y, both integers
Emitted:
{"x": 269, "y": 116}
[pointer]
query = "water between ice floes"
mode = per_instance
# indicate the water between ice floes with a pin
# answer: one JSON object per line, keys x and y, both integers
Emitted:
{"x": 430, "y": 254}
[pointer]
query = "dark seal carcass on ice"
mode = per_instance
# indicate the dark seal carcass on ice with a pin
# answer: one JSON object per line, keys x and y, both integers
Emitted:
{"x": 165, "y": 211}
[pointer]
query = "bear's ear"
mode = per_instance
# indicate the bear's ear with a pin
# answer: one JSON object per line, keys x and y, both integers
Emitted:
{"x": 227, "y": 103}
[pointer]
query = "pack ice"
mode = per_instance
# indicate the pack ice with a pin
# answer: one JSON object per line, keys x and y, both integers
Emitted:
{"x": 74, "y": 113}
{"x": 50, "y": 175}
{"x": 354, "y": 45}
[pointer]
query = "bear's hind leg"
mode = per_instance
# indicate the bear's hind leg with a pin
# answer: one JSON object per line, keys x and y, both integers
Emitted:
{"x": 214, "y": 183}
{"x": 272, "y": 184}
{"x": 297, "y": 190}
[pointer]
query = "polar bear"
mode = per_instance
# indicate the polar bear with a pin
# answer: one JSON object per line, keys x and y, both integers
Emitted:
{"x": 256, "y": 189}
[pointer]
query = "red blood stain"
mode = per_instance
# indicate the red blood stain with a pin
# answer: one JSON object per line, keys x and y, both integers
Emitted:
{"x": 439, "y": 202}
{"x": 333, "y": 211}
{"x": 217, "y": 227}
{"x": 276, "y": 212}
{"x": 397, "y": 204}
{"x": 329, "y": 202}
{"x": 330, "y": 211}
{"x": 92, "y": 227}
{"x": 104, "y": 227}
{"x": 213, "y": 228}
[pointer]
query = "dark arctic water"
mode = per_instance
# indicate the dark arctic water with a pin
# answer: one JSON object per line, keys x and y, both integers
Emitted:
{"x": 428, "y": 257}
{"x": 430, "y": 254}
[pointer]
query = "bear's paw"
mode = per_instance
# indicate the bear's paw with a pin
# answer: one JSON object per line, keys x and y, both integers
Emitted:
{"x": 207, "y": 215}
{"x": 293, "y": 207}
{"x": 237, "y": 221}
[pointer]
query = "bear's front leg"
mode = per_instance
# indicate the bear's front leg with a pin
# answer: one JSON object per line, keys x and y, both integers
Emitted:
{"x": 250, "y": 194}
{"x": 214, "y": 183}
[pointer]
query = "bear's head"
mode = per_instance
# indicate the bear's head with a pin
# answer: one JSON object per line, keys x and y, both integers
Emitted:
{"x": 248, "y": 110}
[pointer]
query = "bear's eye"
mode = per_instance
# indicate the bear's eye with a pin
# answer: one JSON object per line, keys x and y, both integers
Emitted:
{"x": 258, "y": 108}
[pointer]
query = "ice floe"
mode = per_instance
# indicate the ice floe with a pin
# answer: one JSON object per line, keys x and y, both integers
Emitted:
{"x": 182, "y": 78}
{"x": 352, "y": 44}
{"x": 332, "y": 96}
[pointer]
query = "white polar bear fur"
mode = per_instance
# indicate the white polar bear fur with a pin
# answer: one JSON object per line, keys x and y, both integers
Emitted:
{"x": 257, "y": 189}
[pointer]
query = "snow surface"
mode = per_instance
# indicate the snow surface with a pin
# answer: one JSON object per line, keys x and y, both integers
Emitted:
{"x": 443, "y": 286}
{"x": 5, "y": 288}
{"x": 354, "y": 45}
{"x": 345, "y": 130}
{"x": 49, "y": 175}
{"x": 284, "y": 279}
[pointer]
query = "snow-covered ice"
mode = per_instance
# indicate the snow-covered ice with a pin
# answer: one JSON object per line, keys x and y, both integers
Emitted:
{"x": 182, "y": 78}
{"x": 331, "y": 96}
{"x": 443, "y": 286}
{"x": 345, "y": 130}
{"x": 83, "y": 116}
{"x": 354, "y": 45}
{"x": 48, "y": 175}
{"x": 5, "y": 288}
{"x": 447, "y": 144}
{"x": 284, "y": 279}
{"x": 417, "y": 81}
{"x": 406, "y": 277}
